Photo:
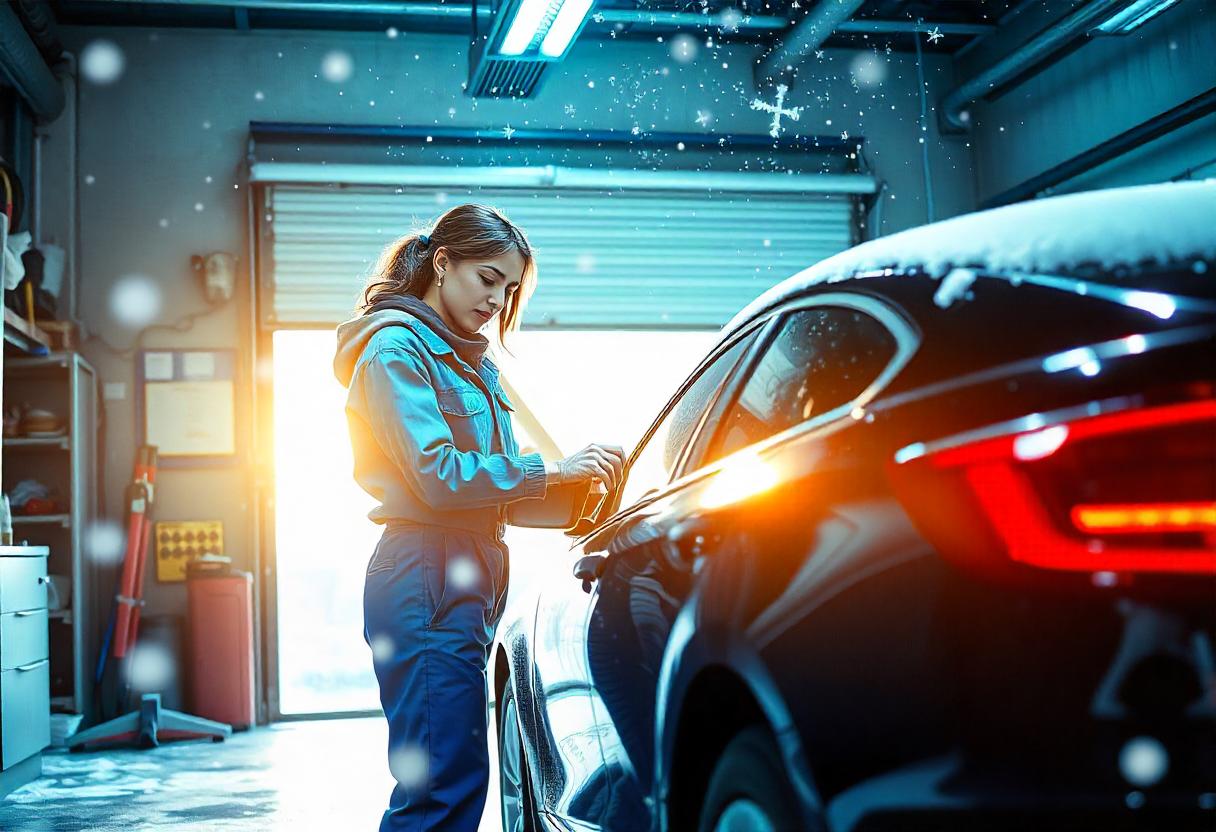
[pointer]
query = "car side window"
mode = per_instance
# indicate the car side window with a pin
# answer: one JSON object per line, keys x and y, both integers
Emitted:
{"x": 654, "y": 461}
{"x": 820, "y": 358}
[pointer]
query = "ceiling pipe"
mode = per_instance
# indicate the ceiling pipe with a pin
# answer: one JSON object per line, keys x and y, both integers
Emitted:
{"x": 21, "y": 62}
{"x": 1030, "y": 55}
{"x": 630, "y": 17}
{"x": 807, "y": 36}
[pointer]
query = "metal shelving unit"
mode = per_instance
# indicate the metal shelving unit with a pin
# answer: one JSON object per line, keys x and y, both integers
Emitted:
{"x": 66, "y": 383}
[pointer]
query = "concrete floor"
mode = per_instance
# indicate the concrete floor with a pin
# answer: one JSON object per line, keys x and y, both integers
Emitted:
{"x": 322, "y": 775}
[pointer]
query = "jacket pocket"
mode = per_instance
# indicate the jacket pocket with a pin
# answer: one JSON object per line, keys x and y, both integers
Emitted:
{"x": 467, "y": 413}
{"x": 460, "y": 401}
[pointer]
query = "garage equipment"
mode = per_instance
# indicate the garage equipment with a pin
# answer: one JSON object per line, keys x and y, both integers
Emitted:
{"x": 151, "y": 723}
{"x": 220, "y": 604}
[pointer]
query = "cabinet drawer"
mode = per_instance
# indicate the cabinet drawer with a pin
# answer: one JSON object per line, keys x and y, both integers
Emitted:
{"x": 25, "y": 712}
{"x": 22, "y": 584}
{"x": 23, "y": 638}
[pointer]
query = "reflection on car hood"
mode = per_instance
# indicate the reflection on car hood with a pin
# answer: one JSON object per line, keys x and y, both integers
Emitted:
{"x": 1148, "y": 224}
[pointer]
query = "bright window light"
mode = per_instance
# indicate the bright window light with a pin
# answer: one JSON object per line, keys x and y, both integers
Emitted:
{"x": 598, "y": 386}
{"x": 562, "y": 31}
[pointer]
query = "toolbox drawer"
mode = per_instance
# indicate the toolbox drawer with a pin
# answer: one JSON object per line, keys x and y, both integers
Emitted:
{"x": 25, "y": 712}
{"x": 22, "y": 584}
{"x": 24, "y": 638}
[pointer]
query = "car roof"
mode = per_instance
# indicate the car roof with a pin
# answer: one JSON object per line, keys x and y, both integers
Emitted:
{"x": 1118, "y": 227}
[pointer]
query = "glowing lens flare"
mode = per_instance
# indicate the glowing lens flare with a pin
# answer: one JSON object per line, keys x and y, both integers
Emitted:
{"x": 739, "y": 479}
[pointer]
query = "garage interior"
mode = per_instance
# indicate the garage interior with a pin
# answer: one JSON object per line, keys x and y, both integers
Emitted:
{"x": 196, "y": 190}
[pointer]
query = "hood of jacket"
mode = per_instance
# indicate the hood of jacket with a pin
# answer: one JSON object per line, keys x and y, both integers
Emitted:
{"x": 354, "y": 334}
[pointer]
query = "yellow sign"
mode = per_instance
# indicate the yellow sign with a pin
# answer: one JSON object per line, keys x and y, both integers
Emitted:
{"x": 179, "y": 542}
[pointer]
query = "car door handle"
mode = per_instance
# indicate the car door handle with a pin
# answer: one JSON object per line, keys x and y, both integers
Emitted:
{"x": 589, "y": 569}
{"x": 688, "y": 538}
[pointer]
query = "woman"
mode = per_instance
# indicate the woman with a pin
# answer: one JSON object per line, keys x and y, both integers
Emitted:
{"x": 431, "y": 433}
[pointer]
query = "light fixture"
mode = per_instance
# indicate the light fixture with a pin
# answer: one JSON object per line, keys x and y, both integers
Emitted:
{"x": 509, "y": 56}
{"x": 1133, "y": 15}
{"x": 541, "y": 29}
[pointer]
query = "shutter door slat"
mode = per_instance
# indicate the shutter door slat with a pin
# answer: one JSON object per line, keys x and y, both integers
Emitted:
{"x": 606, "y": 258}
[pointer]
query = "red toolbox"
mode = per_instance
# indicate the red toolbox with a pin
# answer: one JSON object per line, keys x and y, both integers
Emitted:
{"x": 220, "y": 603}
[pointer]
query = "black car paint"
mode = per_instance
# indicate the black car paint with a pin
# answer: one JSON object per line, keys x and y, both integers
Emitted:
{"x": 864, "y": 651}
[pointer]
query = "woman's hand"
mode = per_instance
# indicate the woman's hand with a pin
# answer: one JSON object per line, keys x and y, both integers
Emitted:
{"x": 602, "y": 463}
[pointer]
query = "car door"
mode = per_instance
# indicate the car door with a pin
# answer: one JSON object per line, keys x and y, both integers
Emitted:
{"x": 816, "y": 365}
{"x": 574, "y": 779}
{"x": 639, "y": 589}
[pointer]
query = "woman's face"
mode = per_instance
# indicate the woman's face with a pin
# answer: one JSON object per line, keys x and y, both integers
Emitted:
{"x": 473, "y": 287}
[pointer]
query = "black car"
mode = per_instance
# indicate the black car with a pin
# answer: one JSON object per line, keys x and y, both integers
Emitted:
{"x": 927, "y": 541}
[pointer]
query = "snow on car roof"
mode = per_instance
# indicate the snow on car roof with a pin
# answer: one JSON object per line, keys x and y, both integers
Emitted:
{"x": 1140, "y": 225}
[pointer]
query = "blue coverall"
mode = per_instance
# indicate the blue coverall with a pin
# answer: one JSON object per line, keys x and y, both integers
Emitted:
{"x": 433, "y": 441}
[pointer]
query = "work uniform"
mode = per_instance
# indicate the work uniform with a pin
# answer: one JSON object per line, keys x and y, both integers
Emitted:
{"x": 432, "y": 440}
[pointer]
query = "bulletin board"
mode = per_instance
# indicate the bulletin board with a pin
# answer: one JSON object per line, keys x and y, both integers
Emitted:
{"x": 185, "y": 405}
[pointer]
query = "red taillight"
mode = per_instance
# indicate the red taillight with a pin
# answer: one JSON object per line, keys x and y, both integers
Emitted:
{"x": 1150, "y": 517}
{"x": 1133, "y": 491}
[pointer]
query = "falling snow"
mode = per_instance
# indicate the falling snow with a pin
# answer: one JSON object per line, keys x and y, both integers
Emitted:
{"x": 135, "y": 300}
{"x": 777, "y": 110}
{"x": 102, "y": 62}
{"x": 337, "y": 66}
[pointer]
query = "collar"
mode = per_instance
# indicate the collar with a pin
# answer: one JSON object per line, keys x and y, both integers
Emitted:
{"x": 437, "y": 346}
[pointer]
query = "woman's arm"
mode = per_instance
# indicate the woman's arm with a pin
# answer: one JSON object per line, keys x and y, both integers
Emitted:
{"x": 409, "y": 427}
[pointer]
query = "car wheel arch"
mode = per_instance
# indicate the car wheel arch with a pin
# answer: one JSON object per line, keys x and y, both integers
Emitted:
{"x": 732, "y": 687}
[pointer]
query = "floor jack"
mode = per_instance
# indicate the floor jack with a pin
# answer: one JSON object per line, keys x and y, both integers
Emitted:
{"x": 151, "y": 723}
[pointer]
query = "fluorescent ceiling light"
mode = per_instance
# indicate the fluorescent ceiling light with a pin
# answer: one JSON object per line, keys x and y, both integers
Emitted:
{"x": 564, "y": 27}
{"x": 528, "y": 18}
{"x": 1134, "y": 15}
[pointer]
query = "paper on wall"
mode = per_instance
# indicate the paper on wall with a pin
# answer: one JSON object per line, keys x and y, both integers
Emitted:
{"x": 158, "y": 366}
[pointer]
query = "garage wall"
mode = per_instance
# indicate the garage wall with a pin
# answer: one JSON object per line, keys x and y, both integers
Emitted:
{"x": 1109, "y": 85}
{"x": 171, "y": 134}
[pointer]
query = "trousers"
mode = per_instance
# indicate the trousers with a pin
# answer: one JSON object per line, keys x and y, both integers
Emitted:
{"x": 432, "y": 599}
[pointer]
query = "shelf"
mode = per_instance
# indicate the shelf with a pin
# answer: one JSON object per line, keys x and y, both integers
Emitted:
{"x": 19, "y": 333}
{"x": 20, "y": 442}
{"x": 36, "y": 366}
{"x": 45, "y": 519}
{"x": 64, "y": 381}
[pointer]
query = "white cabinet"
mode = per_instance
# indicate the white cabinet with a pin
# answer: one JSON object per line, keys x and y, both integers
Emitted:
{"x": 25, "y": 675}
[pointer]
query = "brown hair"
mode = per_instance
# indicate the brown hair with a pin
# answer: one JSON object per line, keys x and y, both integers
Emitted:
{"x": 407, "y": 267}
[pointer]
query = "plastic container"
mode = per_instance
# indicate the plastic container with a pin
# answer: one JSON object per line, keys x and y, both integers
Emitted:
{"x": 220, "y": 608}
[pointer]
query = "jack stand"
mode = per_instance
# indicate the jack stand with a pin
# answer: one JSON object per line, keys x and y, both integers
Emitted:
{"x": 149, "y": 725}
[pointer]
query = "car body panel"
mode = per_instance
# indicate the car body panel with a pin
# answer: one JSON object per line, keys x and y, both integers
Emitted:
{"x": 878, "y": 664}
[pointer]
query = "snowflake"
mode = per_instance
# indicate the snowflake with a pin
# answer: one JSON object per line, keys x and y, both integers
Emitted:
{"x": 819, "y": 54}
{"x": 703, "y": 118}
{"x": 777, "y": 110}
{"x": 569, "y": 109}
{"x": 935, "y": 34}
{"x": 508, "y": 131}
{"x": 844, "y": 135}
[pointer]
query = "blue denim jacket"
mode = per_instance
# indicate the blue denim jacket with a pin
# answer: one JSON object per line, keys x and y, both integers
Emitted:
{"x": 422, "y": 427}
